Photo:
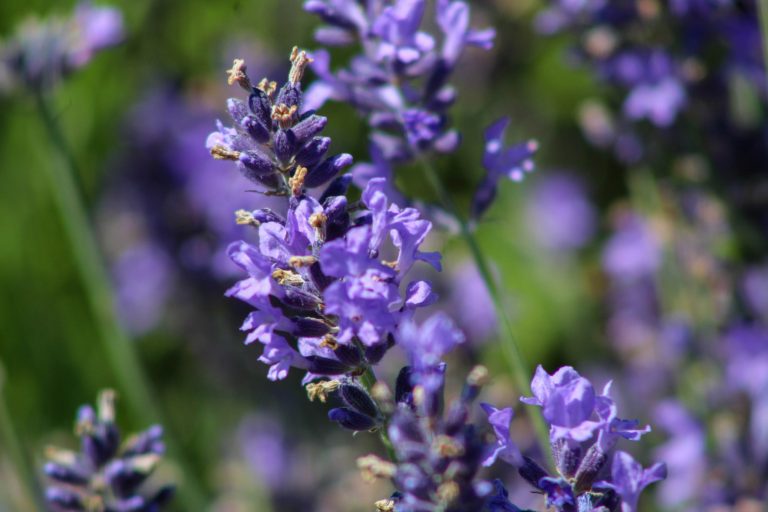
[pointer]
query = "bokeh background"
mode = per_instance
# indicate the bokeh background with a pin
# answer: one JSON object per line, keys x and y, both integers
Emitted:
{"x": 136, "y": 119}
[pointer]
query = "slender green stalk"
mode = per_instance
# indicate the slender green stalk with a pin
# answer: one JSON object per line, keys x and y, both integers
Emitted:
{"x": 17, "y": 453}
{"x": 520, "y": 370}
{"x": 119, "y": 348}
{"x": 763, "y": 9}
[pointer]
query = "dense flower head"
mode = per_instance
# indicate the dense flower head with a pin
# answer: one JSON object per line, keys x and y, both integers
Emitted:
{"x": 107, "y": 473}
{"x": 275, "y": 145}
{"x": 327, "y": 279}
{"x": 43, "y": 51}
{"x": 438, "y": 452}
{"x": 584, "y": 428}
{"x": 400, "y": 78}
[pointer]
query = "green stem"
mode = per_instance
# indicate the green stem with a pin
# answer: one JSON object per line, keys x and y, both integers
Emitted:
{"x": 763, "y": 12}
{"x": 95, "y": 279}
{"x": 368, "y": 380}
{"x": 519, "y": 368}
{"x": 17, "y": 453}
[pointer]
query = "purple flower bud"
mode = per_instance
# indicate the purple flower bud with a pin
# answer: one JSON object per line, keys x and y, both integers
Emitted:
{"x": 358, "y": 399}
{"x": 327, "y": 170}
{"x": 65, "y": 474}
{"x": 255, "y": 128}
{"x": 351, "y": 419}
{"x": 313, "y": 151}
{"x": 64, "y": 499}
{"x": 307, "y": 128}
{"x": 260, "y": 106}
{"x": 256, "y": 165}
{"x": 237, "y": 109}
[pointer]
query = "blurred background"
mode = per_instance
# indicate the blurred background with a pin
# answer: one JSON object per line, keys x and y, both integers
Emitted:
{"x": 600, "y": 260}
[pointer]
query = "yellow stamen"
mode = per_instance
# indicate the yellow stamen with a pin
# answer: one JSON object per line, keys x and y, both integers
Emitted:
{"x": 321, "y": 390}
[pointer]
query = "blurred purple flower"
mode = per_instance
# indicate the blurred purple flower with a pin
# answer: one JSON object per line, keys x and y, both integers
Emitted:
{"x": 633, "y": 251}
{"x": 470, "y": 304}
{"x": 143, "y": 278}
{"x": 684, "y": 453}
{"x": 559, "y": 215}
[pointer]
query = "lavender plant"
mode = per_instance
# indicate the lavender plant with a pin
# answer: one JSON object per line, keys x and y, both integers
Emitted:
{"x": 107, "y": 474}
{"x": 325, "y": 280}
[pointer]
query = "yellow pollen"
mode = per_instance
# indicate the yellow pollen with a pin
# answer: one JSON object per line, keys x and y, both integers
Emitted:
{"x": 268, "y": 87}
{"x": 373, "y": 467}
{"x": 301, "y": 261}
{"x": 299, "y": 61}
{"x": 318, "y": 220}
{"x": 287, "y": 277}
{"x": 386, "y": 505}
{"x": 297, "y": 181}
{"x": 329, "y": 341}
{"x": 237, "y": 75}
{"x": 447, "y": 446}
{"x": 219, "y": 152}
{"x": 245, "y": 218}
{"x": 284, "y": 114}
{"x": 320, "y": 390}
{"x": 478, "y": 376}
{"x": 447, "y": 492}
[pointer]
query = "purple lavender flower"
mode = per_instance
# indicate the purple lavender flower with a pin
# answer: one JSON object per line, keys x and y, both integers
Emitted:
{"x": 560, "y": 216}
{"x": 575, "y": 413}
{"x": 400, "y": 81}
{"x": 439, "y": 455}
{"x": 106, "y": 474}
{"x": 326, "y": 299}
{"x": 628, "y": 479}
{"x": 43, "y": 51}
{"x": 684, "y": 453}
{"x": 633, "y": 251}
{"x": 501, "y": 162}
{"x": 500, "y": 420}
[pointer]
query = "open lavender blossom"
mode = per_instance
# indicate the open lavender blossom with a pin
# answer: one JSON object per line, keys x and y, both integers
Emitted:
{"x": 584, "y": 428}
{"x": 107, "y": 473}
{"x": 512, "y": 162}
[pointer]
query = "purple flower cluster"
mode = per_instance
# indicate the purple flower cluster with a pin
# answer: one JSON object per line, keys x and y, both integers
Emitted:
{"x": 672, "y": 63}
{"x": 329, "y": 287}
{"x": 400, "y": 82}
{"x": 43, "y": 51}
{"x": 106, "y": 474}
{"x": 325, "y": 279}
{"x": 584, "y": 428}
{"x": 400, "y": 79}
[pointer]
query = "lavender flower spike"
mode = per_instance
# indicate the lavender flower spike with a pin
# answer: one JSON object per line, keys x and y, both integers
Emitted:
{"x": 106, "y": 474}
